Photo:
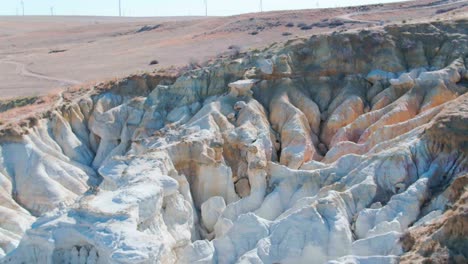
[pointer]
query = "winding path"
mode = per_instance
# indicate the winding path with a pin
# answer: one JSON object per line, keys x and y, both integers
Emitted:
{"x": 349, "y": 16}
{"x": 21, "y": 69}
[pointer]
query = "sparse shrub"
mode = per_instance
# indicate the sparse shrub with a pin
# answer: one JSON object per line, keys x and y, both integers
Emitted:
{"x": 335, "y": 23}
{"x": 286, "y": 34}
{"x": 57, "y": 51}
{"x": 441, "y": 11}
{"x": 253, "y": 33}
{"x": 147, "y": 28}
{"x": 306, "y": 27}
{"x": 290, "y": 24}
{"x": 404, "y": 21}
{"x": 276, "y": 24}
{"x": 320, "y": 24}
{"x": 154, "y": 62}
{"x": 300, "y": 25}
{"x": 235, "y": 50}
{"x": 17, "y": 102}
{"x": 193, "y": 64}
{"x": 234, "y": 47}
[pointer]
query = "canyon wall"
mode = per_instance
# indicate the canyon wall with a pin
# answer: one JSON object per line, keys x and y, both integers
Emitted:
{"x": 336, "y": 148}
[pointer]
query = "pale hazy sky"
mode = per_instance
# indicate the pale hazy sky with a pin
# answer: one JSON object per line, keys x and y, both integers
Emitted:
{"x": 165, "y": 7}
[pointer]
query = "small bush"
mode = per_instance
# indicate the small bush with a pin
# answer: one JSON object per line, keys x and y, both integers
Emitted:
{"x": 147, "y": 28}
{"x": 300, "y": 25}
{"x": 306, "y": 27}
{"x": 17, "y": 102}
{"x": 154, "y": 62}
{"x": 404, "y": 21}
{"x": 335, "y": 23}
{"x": 441, "y": 11}
{"x": 286, "y": 34}
{"x": 235, "y": 50}
{"x": 253, "y": 33}
{"x": 193, "y": 64}
{"x": 290, "y": 24}
{"x": 57, "y": 51}
{"x": 320, "y": 24}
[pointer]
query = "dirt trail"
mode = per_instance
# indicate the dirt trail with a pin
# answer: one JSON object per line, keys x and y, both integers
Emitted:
{"x": 21, "y": 69}
{"x": 350, "y": 17}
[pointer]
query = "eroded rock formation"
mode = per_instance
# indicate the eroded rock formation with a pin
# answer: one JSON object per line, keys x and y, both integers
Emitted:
{"x": 338, "y": 148}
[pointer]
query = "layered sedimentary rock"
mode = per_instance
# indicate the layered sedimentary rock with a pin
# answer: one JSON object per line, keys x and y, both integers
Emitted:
{"x": 337, "y": 148}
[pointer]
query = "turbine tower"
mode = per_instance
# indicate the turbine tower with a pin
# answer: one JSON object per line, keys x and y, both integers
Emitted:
{"x": 206, "y": 7}
{"x": 120, "y": 8}
{"x": 22, "y": 6}
{"x": 261, "y": 6}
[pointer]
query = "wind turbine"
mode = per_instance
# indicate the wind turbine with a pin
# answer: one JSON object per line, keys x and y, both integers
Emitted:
{"x": 206, "y": 7}
{"x": 261, "y": 6}
{"x": 120, "y": 8}
{"x": 22, "y": 6}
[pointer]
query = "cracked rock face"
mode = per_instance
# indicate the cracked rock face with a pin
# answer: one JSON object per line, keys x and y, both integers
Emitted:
{"x": 343, "y": 148}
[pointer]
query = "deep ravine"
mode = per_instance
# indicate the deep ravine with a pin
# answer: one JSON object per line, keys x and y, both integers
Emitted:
{"x": 337, "y": 148}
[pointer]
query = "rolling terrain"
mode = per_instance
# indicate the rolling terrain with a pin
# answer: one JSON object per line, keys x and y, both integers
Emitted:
{"x": 39, "y": 55}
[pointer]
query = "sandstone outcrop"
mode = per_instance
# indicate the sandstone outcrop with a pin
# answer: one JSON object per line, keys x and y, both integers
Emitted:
{"x": 339, "y": 148}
